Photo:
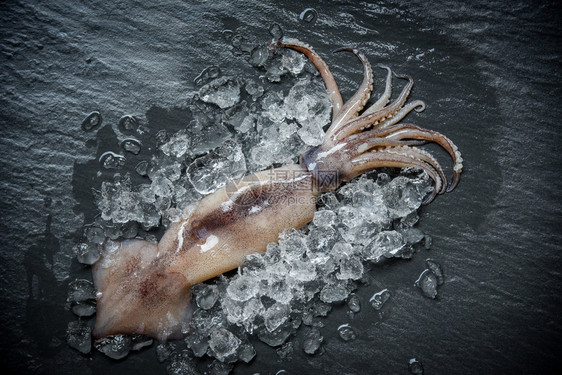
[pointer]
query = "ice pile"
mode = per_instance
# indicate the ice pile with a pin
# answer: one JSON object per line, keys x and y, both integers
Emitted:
{"x": 237, "y": 126}
{"x": 298, "y": 279}
{"x": 289, "y": 124}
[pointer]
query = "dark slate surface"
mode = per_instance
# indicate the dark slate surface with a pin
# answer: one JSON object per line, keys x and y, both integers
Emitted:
{"x": 490, "y": 73}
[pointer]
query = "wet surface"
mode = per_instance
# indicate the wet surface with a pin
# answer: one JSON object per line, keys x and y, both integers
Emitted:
{"x": 490, "y": 74}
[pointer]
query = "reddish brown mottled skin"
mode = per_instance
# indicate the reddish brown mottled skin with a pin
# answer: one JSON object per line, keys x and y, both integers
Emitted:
{"x": 144, "y": 287}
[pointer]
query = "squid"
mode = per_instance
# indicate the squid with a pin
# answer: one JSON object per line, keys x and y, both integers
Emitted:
{"x": 144, "y": 287}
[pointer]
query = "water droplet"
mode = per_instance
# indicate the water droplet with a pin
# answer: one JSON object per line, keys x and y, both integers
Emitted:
{"x": 309, "y": 15}
{"x": 427, "y": 282}
{"x": 378, "y": 299}
{"x": 227, "y": 34}
{"x": 346, "y": 332}
{"x": 436, "y": 269}
{"x": 242, "y": 43}
{"x": 142, "y": 168}
{"x": 111, "y": 160}
{"x": 415, "y": 367}
{"x": 91, "y": 121}
{"x": 131, "y": 145}
{"x": 276, "y": 31}
{"x": 206, "y": 75}
{"x": 354, "y": 303}
{"x": 128, "y": 123}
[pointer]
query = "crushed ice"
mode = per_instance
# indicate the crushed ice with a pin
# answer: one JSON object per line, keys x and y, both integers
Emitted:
{"x": 239, "y": 126}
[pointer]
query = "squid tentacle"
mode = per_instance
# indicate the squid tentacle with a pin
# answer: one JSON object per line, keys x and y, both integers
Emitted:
{"x": 416, "y": 105}
{"x": 331, "y": 85}
{"x": 393, "y": 113}
{"x": 411, "y": 131}
{"x": 365, "y": 144}
{"x": 407, "y": 135}
{"x": 385, "y": 97}
{"x": 352, "y": 107}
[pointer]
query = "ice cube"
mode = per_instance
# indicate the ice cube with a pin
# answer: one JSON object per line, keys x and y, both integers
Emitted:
{"x": 278, "y": 288}
{"x": 115, "y": 347}
{"x": 259, "y": 55}
{"x": 164, "y": 351}
{"x": 334, "y": 292}
{"x": 311, "y": 134}
{"x": 308, "y": 104}
{"x": 78, "y": 336}
{"x": 181, "y": 364}
{"x": 412, "y": 235}
{"x": 321, "y": 239}
{"x": 274, "y": 70}
{"x": 242, "y": 313}
{"x": 198, "y": 343}
{"x": 254, "y": 265}
{"x": 254, "y": 89}
{"x": 82, "y": 297}
{"x": 242, "y": 288}
{"x": 223, "y": 91}
{"x": 402, "y": 196}
{"x": 273, "y": 108}
{"x": 219, "y": 167}
{"x": 292, "y": 244}
{"x": 312, "y": 341}
{"x": 161, "y": 186}
{"x": 350, "y": 268}
{"x": 205, "y": 295}
{"x": 302, "y": 270}
{"x": 385, "y": 243}
{"x": 87, "y": 252}
{"x": 178, "y": 144}
{"x": 293, "y": 61}
{"x": 324, "y": 218}
{"x": 276, "y": 315}
{"x": 278, "y": 336}
{"x": 285, "y": 352}
{"x": 223, "y": 345}
{"x": 246, "y": 352}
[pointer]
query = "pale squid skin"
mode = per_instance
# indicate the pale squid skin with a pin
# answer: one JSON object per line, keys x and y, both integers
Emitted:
{"x": 144, "y": 287}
